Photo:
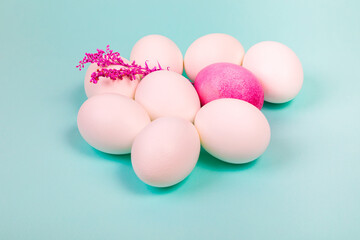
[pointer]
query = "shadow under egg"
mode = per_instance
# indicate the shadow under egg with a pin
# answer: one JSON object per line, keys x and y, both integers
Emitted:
{"x": 276, "y": 106}
{"x": 207, "y": 161}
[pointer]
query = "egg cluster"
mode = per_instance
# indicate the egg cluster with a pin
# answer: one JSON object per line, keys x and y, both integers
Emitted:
{"x": 146, "y": 107}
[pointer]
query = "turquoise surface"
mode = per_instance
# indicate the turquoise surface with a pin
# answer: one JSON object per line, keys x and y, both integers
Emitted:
{"x": 55, "y": 186}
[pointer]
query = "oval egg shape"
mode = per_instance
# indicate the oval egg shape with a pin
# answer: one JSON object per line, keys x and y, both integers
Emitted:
{"x": 228, "y": 80}
{"x": 278, "y": 69}
{"x": 233, "y": 130}
{"x": 110, "y": 122}
{"x": 209, "y": 49}
{"x": 157, "y": 49}
{"x": 165, "y": 152}
{"x": 167, "y": 94}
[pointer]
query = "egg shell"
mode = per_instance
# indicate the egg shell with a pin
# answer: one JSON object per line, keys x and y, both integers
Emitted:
{"x": 166, "y": 93}
{"x": 165, "y": 152}
{"x": 109, "y": 122}
{"x": 228, "y": 80}
{"x": 158, "y": 49}
{"x": 233, "y": 130}
{"x": 209, "y": 49}
{"x": 278, "y": 69}
{"x": 124, "y": 86}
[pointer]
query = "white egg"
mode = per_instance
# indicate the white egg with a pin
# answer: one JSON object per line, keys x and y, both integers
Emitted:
{"x": 158, "y": 49}
{"x": 278, "y": 69}
{"x": 109, "y": 122}
{"x": 209, "y": 49}
{"x": 165, "y": 152}
{"x": 233, "y": 130}
{"x": 166, "y": 93}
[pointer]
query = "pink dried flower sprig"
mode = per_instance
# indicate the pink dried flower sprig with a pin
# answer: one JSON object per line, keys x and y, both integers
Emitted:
{"x": 106, "y": 58}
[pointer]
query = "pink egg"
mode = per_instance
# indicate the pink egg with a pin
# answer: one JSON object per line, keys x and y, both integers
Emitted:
{"x": 227, "y": 80}
{"x": 165, "y": 152}
{"x": 109, "y": 122}
{"x": 278, "y": 69}
{"x": 233, "y": 130}
{"x": 123, "y": 86}
{"x": 209, "y": 49}
{"x": 158, "y": 49}
{"x": 167, "y": 94}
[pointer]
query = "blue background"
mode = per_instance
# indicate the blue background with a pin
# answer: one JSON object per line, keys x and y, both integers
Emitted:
{"x": 55, "y": 186}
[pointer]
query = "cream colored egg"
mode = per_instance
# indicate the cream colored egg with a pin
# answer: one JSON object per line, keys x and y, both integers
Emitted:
{"x": 158, "y": 49}
{"x": 165, "y": 152}
{"x": 209, "y": 49}
{"x": 124, "y": 86}
{"x": 166, "y": 93}
{"x": 278, "y": 69}
{"x": 109, "y": 122}
{"x": 233, "y": 130}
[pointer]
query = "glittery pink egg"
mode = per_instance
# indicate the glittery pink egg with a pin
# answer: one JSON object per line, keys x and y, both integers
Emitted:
{"x": 227, "y": 80}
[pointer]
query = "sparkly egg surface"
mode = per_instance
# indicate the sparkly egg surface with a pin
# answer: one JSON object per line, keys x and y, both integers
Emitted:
{"x": 165, "y": 151}
{"x": 233, "y": 130}
{"x": 278, "y": 69}
{"x": 227, "y": 80}
{"x": 157, "y": 49}
{"x": 209, "y": 49}
{"x": 123, "y": 86}
{"x": 109, "y": 122}
{"x": 166, "y": 93}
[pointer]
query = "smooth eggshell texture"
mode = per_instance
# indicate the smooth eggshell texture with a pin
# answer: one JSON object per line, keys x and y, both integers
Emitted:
{"x": 233, "y": 130}
{"x": 227, "y": 80}
{"x": 123, "y": 86}
{"x": 158, "y": 49}
{"x": 109, "y": 122}
{"x": 165, "y": 152}
{"x": 209, "y": 49}
{"x": 278, "y": 69}
{"x": 166, "y": 93}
